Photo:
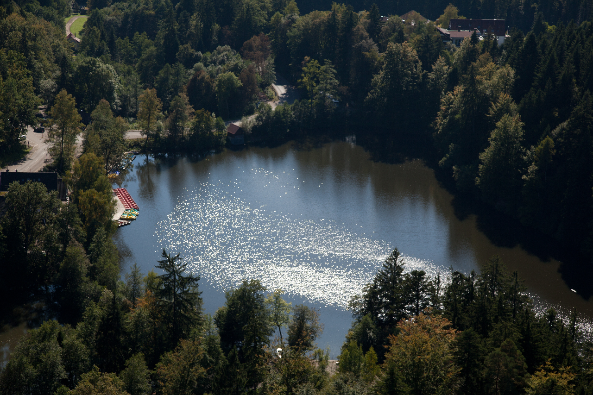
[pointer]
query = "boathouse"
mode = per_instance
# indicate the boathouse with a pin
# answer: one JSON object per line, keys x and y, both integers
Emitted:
{"x": 235, "y": 134}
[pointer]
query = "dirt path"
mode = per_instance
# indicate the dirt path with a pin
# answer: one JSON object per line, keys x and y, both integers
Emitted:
{"x": 70, "y": 22}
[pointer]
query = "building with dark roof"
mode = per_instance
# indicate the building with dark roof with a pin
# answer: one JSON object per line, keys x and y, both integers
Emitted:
{"x": 51, "y": 181}
{"x": 235, "y": 134}
{"x": 73, "y": 39}
{"x": 459, "y": 29}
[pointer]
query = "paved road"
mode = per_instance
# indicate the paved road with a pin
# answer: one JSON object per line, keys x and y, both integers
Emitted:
{"x": 38, "y": 156}
{"x": 286, "y": 93}
{"x": 70, "y": 22}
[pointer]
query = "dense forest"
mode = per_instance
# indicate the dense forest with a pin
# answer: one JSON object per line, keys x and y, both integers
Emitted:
{"x": 507, "y": 125}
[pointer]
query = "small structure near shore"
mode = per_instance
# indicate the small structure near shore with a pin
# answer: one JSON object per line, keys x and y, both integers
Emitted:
{"x": 235, "y": 134}
{"x": 127, "y": 209}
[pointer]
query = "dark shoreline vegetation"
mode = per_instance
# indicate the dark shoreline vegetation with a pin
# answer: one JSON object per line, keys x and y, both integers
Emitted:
{"x": 507, "y": 129}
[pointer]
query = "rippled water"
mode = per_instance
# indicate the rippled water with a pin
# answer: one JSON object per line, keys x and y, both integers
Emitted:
{"x": 316, "y": 223}
{"x": 225, "y": 240}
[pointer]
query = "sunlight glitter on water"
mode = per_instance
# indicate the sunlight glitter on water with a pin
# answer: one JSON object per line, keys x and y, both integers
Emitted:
{"x": 225, "y": 240}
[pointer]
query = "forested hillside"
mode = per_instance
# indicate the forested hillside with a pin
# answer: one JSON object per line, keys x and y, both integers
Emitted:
{"x": 508, "y": 125}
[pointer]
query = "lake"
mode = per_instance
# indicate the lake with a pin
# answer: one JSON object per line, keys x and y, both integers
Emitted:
{"x": 318, "y": 223}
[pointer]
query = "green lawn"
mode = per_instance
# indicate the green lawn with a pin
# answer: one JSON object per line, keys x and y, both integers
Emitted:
{"x": 77, "y": 25}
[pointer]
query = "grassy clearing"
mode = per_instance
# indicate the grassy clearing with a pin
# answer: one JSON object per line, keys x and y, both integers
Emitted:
{"x": 77, "y": 25}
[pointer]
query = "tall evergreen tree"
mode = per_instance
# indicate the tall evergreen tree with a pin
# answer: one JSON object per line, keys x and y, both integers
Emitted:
{"x": 178, "y": 298}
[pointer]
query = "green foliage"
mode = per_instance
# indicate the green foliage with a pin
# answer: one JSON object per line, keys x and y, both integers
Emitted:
{"x": 136, "y": 376}
{"x": 73, "y": 287}
{"x": 423, "y": 353}
{"x": 279, "y": 310}
{"x": 351, "y": 359}
{"x": 32, "y": 237}
{"x": 512, "y": 125}
{"x": 244, "y": 327}
{"x": 178, "y": 298}
{"x": 200, "y": 91}
{"x": 207, "y": 132}
{"x": 92, "y": 193}
{"x": 17, "y": 98}
{"x": 66, "y": 128}
{"x": 179, "y": 113}
{"x": 304, "y": 328}
{"x": 451, "y": 12}
{"x": 149, "y": 112}
{"x": 227, "y": 85}
{"x": 134, "y": 288}
{"x": 45, "y": 358}
{"x": 395, "y": 91}
{"x": 383, "y": 301}
{"x": 94, "y": 81}
{"x": 97, "y": 383}
{"x": 548, "y": 380}
{"x": 110, "y": 350}
{"x": 105, "y": 135}
{"x": 179, "y": 371}
{"x": 502, "y": 163}
{"x": 168, "y": 83}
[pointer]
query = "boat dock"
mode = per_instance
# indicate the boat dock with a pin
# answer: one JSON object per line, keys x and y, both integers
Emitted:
{"x": 126, "y": 209}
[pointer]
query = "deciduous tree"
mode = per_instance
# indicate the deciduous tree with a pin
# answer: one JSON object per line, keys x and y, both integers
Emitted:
{"x": 304, "y": 328}
{"x": 279, "y": 311}
{"x": 179, "y": 371}
{"x": 65, "y": 128}
{"x": 423, "y": 353}
{"x": 502, "y": 165}
{"x": 149, "y": 112}
{"x": 105, "y": 135}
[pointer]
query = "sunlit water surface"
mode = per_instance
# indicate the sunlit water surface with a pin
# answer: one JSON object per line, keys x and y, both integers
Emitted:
{"x": 316, "y": 223}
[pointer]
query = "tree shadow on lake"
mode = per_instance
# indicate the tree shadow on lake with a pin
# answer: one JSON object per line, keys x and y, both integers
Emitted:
{"x": 395, "y": 150}
{"x": 507, "y": 232}
{"x": 310, "y": 143}
{"x": 501, "y": 230}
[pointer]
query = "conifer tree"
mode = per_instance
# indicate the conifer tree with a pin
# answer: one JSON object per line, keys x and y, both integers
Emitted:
{"x": 178, "y": 298}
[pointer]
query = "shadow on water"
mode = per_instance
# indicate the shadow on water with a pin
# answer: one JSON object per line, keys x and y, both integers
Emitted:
{"x": 505, "y": 231}
{"x": 575, "y": 268}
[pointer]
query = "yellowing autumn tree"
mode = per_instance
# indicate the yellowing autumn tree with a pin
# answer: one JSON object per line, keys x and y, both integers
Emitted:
{"x": 422, "y": 354}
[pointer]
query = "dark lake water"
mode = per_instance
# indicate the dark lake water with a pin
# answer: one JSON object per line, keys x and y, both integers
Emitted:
{"x": 316, "y": 223}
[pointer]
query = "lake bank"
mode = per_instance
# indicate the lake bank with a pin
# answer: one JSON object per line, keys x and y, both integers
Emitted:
{"x": 325, "y": 216}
